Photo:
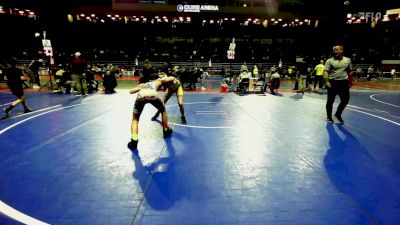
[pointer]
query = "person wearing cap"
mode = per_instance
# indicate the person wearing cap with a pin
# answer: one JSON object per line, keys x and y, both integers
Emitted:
{"x": 172, "y": 87}
{"x": 147, "y": 93}
{"x": 14, "y": 82}
{"x": 78, "y": 69}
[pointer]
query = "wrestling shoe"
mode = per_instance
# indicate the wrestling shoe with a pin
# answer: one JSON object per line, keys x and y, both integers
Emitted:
{"x": 183, "y": 118}
{"x": 339, "y": 117}
{"x": 167, "y": 132}
{"x": 132, "y": 145}
{"x": 329, "y": 120}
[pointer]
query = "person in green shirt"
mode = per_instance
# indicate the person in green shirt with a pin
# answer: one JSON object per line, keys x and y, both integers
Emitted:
{"x": 319, "y": 72}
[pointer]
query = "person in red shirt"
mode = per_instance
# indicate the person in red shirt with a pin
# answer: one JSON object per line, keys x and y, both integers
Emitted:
{"x": 78, "y": 68}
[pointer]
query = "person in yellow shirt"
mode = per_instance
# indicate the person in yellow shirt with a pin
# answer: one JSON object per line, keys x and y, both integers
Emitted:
{"x": 255, "y": 71}
{"x": 319, "y": 72}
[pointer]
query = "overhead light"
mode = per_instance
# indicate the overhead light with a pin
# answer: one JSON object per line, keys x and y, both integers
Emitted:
{"x": 385, "y": 18}
{"x": 70, "y": 18}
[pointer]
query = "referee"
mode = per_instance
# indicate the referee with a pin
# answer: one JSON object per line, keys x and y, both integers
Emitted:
{"x": 337, "y": 71}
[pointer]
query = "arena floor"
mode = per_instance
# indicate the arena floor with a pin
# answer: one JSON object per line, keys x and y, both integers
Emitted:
{"x": 242, "y": 159}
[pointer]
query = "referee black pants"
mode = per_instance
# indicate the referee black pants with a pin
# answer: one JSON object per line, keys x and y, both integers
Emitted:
{"x": 341, "y": 88}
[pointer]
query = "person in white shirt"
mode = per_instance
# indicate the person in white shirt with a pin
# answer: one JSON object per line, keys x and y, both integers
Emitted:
{"x": 393, "y": 73}
{"x": 147, "y": 93}
{"x": 274, "y": 80}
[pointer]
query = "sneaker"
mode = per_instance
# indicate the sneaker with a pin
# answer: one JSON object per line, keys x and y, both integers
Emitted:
{"x": 27, "y": 110}
{"x": 167, "y": 132}
{"x": 5, "y": 113}
{"x": 132, "y": 145}
{"x": 329, "y": 120}
{"x": 339, "y": 117}
{"x": 183, "y": 120}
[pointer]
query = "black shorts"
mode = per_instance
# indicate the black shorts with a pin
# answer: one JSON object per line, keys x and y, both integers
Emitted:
{"x": 141, "y": 102}
{"x": 17, "y": 91}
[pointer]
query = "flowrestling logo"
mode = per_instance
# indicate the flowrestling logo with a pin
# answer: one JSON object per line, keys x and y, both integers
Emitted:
{"x": 366, "y": 15}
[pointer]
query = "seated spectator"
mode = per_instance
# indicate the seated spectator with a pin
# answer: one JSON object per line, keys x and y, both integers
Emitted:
{"x": 91, "y": 82}
{"x": 275, "y": 80}
{"x": 109, "y": 82}
{"x": 244, "y": 80}
{"x": 63, "y": 80}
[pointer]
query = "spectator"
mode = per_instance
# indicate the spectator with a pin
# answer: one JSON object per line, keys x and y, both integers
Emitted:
{"x": 274, "y": 80}
{"x": 14, "y": 82}
{"x": 244, "y": 68}
{"x": 319, "y": 72}
{"x": 34, "y": 68}
{"x": 370, "y": 73}
{"x": 393, "y": 73}
{"x": 255, "y": 71}
{"x": 79, "y": 67}
{"x": 302, "y": 76}
{"x": 109, "y": 82}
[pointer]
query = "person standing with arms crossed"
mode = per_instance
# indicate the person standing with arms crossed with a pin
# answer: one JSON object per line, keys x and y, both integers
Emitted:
{"x": 78, "y": 68}
{"x": 337, "y": 71}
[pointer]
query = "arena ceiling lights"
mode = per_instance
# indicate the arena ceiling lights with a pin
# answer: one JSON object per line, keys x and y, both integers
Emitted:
{"x": 19, "y": 12}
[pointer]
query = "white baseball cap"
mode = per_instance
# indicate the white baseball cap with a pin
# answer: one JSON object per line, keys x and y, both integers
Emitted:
{"x": 77, "y": 54}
